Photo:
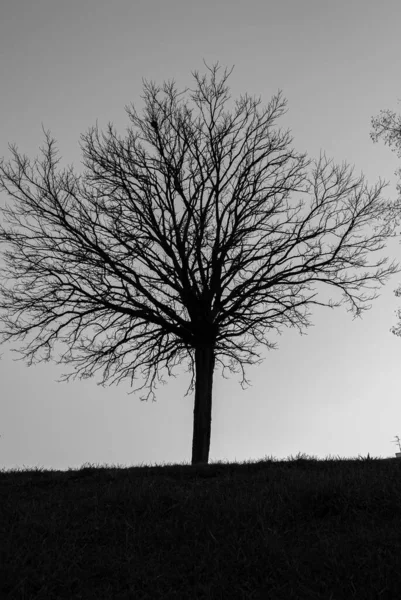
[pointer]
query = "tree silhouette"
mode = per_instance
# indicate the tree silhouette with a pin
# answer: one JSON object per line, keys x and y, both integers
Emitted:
{"x": 387, "y": 125}
{"x": 191, "y": 251}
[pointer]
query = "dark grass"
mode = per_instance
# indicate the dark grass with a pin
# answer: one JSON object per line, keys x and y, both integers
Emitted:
{"x": 302, "y": 528}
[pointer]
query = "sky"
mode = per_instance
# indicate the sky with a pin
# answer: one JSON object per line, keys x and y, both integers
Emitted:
{"x": 334, "y": 391}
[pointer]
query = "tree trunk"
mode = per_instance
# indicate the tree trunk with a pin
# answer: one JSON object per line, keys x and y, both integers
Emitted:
{"x": 204, "y": 364}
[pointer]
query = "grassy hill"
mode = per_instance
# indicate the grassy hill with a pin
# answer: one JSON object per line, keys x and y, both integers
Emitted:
{"x": 301, "y": 528}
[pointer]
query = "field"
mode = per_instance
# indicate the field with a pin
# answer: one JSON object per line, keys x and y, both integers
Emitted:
{"x": 301, "y": 528}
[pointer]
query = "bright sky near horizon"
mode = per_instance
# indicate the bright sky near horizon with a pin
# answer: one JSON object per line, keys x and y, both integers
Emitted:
{"x": 335, "y": 390}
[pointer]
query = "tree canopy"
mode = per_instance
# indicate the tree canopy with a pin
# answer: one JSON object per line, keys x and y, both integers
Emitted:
{"x": 387, "y": 126}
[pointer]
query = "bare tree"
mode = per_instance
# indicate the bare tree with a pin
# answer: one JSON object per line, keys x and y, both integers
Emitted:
{"x": 190, "y": 251}
{"x": 387, "y": 126}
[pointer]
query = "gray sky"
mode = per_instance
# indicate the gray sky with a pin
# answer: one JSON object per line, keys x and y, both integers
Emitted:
{"x": 334, "y": 391}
